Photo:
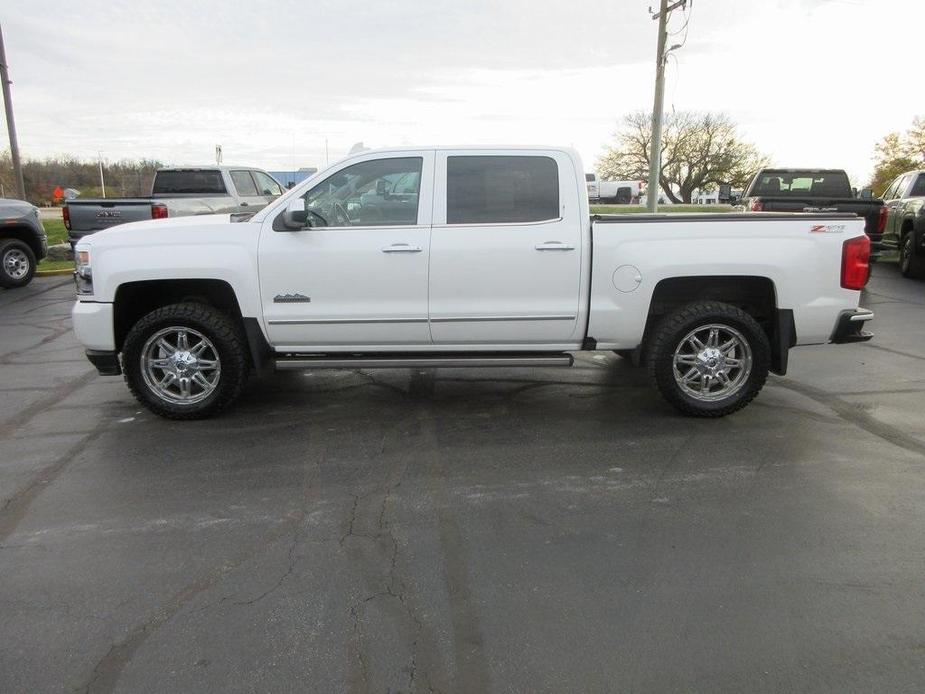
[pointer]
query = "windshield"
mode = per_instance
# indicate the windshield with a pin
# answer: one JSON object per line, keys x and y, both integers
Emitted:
{"x": 832, "y": 184}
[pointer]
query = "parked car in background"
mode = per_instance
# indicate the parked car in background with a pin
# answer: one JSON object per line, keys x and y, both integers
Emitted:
{"x": 424, "y": 258}
{"x": 617, "y": 192}
{"x": 23, "y": 242}
{"x": 176, "y": 192}
{"x": 813, "y": 190}
{"x": 904, "y": 200}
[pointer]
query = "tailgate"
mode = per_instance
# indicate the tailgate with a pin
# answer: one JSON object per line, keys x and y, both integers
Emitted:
{"x": 94, "y": 215}
{"x": 868, "y": 209}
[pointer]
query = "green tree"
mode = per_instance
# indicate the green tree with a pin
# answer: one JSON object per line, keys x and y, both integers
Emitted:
{"x": 897, "y": 153}
{"x": 699, "y": 151}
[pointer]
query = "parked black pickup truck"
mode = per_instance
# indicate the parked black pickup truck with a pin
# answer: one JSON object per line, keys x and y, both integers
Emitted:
{"x": 814, "y": 190}
{"x": 905, "y": 227}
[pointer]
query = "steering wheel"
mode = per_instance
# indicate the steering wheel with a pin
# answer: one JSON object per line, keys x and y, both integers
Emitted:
{"x": 340, "y": 214}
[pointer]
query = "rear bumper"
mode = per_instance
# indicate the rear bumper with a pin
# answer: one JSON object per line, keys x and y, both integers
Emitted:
{"x": 850, "y": 326}
{"x": 107, "y": 363}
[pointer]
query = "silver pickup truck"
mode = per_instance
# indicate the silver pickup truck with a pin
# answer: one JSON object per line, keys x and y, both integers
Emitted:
{"x": 176, "y": 192}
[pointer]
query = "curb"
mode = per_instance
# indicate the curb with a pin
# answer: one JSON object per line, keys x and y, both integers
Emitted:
{"x": 53, "y": 273}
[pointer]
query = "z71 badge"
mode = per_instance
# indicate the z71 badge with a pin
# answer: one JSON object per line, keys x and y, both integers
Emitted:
{"x": 827, "y": 229}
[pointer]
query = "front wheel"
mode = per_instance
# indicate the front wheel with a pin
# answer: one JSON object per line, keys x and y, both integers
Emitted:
{"x": 185, "y": 361}
{"x": 709, "y": 359}
{"x": 17, "y": 263}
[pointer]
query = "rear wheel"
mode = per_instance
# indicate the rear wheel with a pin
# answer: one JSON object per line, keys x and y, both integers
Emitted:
{"x": 185, "y": 361}
{"x": 17, "y": 263}
{"x": 910, "y": 264}
{"x": 709, "y": 359}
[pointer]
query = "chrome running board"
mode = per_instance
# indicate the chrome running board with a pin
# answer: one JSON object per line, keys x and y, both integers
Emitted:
{"x": 435, "y": 361}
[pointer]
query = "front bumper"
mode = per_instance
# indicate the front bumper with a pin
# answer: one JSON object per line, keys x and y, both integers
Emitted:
{"x": 93, "y": 325}
{"x": 850, "y": 326}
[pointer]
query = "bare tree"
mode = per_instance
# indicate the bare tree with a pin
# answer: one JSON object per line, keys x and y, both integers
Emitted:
{"x": 699, "y": 150}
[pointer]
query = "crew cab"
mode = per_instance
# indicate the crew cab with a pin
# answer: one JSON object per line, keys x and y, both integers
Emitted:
{"x": 176, "y": 192}
{"x": 813, "y": 190}
{"x": 904, "y": 201}
{"x": 445, "y": 258}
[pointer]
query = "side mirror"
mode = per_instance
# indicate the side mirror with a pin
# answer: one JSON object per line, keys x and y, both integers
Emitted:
{"x": 295, "y": 218}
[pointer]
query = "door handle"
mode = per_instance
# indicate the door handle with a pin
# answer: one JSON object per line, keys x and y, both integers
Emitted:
{"x": 554, "y": 246}
{"x": 244, "y": 204}
{"x": 401, "y": 248}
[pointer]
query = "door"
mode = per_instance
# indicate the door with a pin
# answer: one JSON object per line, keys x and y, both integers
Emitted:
{"x": 249, "y": 198}
{"x": 506, "y": 249}
{"x": 356, "y": 274}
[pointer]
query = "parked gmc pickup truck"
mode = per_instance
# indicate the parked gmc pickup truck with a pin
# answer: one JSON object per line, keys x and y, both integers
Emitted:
{"x": 176, "y": 192}
{"x": 813, "y": 190}
{"x": 463, "y": 257}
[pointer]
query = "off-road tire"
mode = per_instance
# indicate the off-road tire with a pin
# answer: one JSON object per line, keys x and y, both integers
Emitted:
{"x": 15, "y": 245}
{"x": 224, "y": 333}
{"x": 672, "y": 329}
{"x": 910, "y": 264}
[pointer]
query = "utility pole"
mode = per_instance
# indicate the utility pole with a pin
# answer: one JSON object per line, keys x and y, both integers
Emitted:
{"x": 655, "y": 153}
{"x": 102, "y": 182}
{"x": 10, "y": 124}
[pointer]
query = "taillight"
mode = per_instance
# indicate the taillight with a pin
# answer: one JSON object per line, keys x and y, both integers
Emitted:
{"x": 158, "y": 211}
{"x": 66, "y": 214}
{"x": 756, "y": 206}
{"x": 855, "y": 262}
{"x": 881, "y": 220}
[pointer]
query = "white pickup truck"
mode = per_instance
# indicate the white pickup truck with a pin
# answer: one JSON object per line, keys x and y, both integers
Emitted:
{"x": 463, "y": 257}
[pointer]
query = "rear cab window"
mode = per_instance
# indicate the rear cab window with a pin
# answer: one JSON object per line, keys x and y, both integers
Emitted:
{"x": 771, "y": 183}
{"x": 188, "y": 182}
{"x": 501, "y": 189}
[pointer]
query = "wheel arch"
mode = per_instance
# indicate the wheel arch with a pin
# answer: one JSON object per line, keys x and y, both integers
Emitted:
{"x": 133, "y": 300}
{"x": 21, "y": 232}
{"x": 755, "y": 295}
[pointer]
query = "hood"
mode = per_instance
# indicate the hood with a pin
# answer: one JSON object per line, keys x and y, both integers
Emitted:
{"x": 12, "y": 209}
{"x": 153, "y": 226}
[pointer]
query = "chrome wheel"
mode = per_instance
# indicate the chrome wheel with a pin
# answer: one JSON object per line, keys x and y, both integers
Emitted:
{"x": 180, "y": 365}
{"x": 712, "y": 362}
{"x": 16, "y": 264}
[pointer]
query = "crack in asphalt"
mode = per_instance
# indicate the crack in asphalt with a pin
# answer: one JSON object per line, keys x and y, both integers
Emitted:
{"x": 856, "y": 415}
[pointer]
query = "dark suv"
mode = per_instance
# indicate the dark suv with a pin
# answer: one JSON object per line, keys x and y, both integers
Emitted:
{"x": 904, "y": 199}
{"x": 23, "y": 242}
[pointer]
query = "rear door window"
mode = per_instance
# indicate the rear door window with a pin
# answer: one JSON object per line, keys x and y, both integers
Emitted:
{"x": 918, "y": 190}
{"x": 501, "y": 189}
{"x": 244, "y": 183}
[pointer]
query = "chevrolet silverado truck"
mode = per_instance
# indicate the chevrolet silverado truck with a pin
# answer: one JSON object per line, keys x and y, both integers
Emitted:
{"x": 445, "y": 258}
{"x": 23, "y": 242}
{"x": 176, "y": 192}
{"x": 814, "y": 190}
{"x": 904, "y": 200}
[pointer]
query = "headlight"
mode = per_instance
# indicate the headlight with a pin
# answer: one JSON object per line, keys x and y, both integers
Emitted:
{"x": 83, "y": 275}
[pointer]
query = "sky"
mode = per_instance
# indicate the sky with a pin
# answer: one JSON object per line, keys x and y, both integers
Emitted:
{"x": 284, "y": 85}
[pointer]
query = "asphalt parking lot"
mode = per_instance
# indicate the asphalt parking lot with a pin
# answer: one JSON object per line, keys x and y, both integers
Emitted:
{"x": 511, "y": 530}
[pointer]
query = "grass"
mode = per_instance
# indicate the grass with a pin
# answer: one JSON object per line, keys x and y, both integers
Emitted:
{"x": 56, "y": 234}
{"x": 55, "y": 230}
{"x": 663, "y": 209}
